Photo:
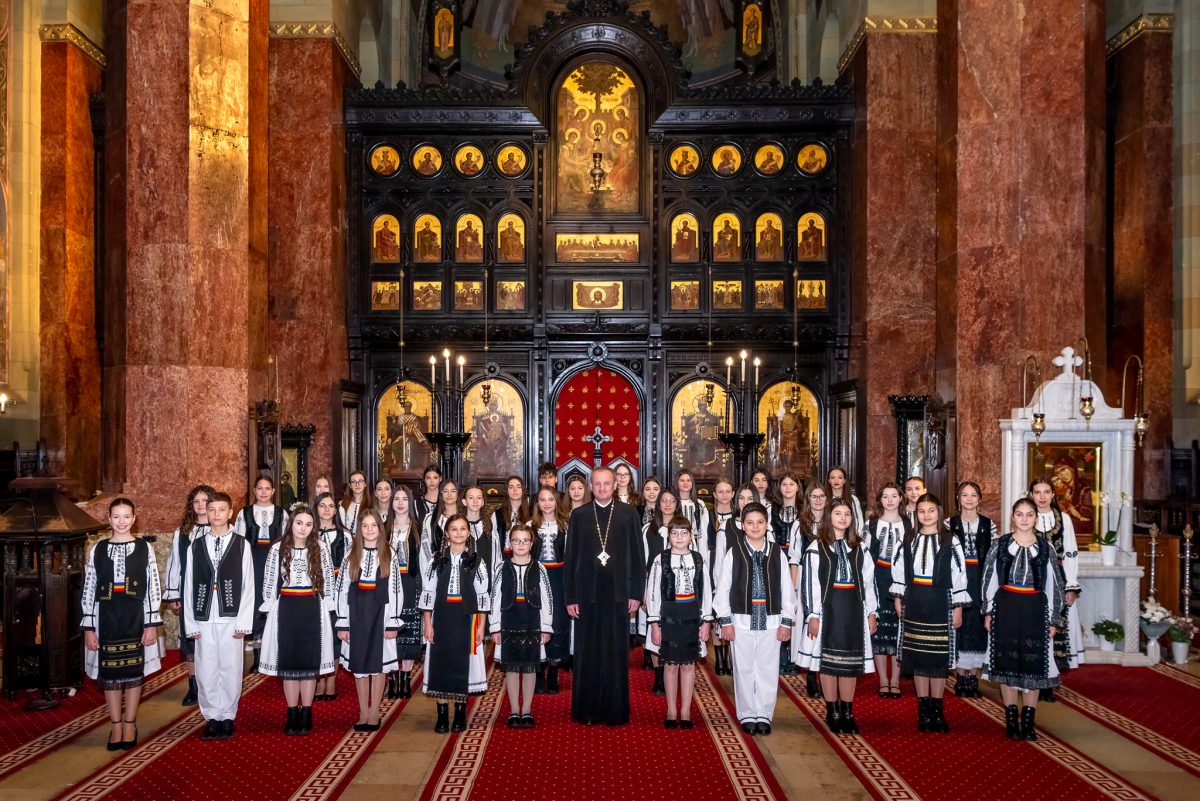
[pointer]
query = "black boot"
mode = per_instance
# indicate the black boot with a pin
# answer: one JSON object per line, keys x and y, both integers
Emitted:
{"x": 254, "y": 663}
{"x": 659, "y": 688}
{"x": 305, "y": 720}
{"x": 849, "y": 725}
{"x": 552, "y": 680}
{"x": 443, "y": 719}
{"x": 813, "y": 685}
{"x": 719, "y": 659}
{"x": 293, "y": 721}
{"x": 393, "y": 686}
{"x": 833, "y": 716}
{"x": 938, "y": 719}
{"x": 975, "y": 687}
{"x": 647, "y": 662}
{"x": 924, "y": 713}
{"x": 460, "y": 717}
{"x": 406, "y": 684}
{"x": 962, "y": 686}
{"x": 189, "y": 698}
{"x": 1047, "y": 695}
{"x": 1012, "y": 722}
{"x": 1028, "y": 722}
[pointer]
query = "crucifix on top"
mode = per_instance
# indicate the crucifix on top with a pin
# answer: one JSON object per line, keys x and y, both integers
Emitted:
{"x": 1067, "y": 360}
{"x": 597, "y": 438}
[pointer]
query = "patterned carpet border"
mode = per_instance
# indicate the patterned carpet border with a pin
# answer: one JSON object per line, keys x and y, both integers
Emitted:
{"x": 1179, "y": 674}
{"x": 41, "y": 746}
{"x": 462, "y": 756}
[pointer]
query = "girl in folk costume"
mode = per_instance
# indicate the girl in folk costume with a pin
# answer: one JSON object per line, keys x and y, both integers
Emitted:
{"x": 975, "y": 533}
{"x": 755, "y": 604}
{"x": 841, "y": 609}
{"x": 434, "y": 526}
{"x": 914, "y": 488}
{"x": 733, "y": 529}
{"x": 512, "y": 510}
{"x": 120, "y": 622}
{"x": 355, "y": 501}
{"x": 297, "y": 596}
{"x": 320, "y": 487}
{"x": 760, "y": 480}
{"x": 679, "y": 610}
{"x": 838, "y": 484}
{"x": 521, "y": 621}
{"x": 651, "y": 489}
{"x": 785, "y": 525}
{"x": 549, "y": 527}
{"x": 262, "y": 524}
{"x": 337, "y": 542}
{"x": 455, "y": 603}
{"x": 486, "y": 540}
{"x": 929, "y": 585}
{"x": 1022, "y": 604}
{"x": 411, "y": 564}
{"x": 383, "y": 499}
{"x": 625, "y": 492}
{"x": 886, "y": 533}
{"x": 722, "y": 519}
{"x": 577, "y": 494}
{"x": 690, "y": 505}
{"x": 193, "y": 525}
{"x": 812, "y": 513}
{"x": 368, "y": 616}
{"x": 1059, "y": 531}
{"x": 654, "y": 542}
{"x": 431, "y": 493}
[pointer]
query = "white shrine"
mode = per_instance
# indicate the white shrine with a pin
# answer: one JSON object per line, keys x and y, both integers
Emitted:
{"x": 1109, "y": 591}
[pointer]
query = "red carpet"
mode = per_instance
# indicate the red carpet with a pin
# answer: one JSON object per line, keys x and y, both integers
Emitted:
{"x": 894, "y": 762}
{"x": 312, "y": 767}
{"x": 1142, "y": 704}
{"x": 564, "y": 760}
{"x": 26, "y": 737}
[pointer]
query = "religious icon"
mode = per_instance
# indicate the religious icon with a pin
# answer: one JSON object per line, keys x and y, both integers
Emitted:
{"x": 695, "y": 426}
{"x": 468, "y": 160}
{"x": 727, "y": 238}
{"x": 385, "y": 160}
{"x": 497, "y": 445}
{"x": 811, "y": 295}
{"x": 385, "y": 296}
{"x": 597, "y": 295}
{"x": 812, "y": 159}
{"x": 810, "y": 237}
{"x": 768, "y": 159}
{"x": 443, "y": 33}
{"x": 792, "y": 429}
{"x": 727, "y": 295}
{"x": 727, "y": 160}
{"x": 510, "y": 296}
{"x": 598, "y": 156}
{"x": 402, "y": 444}
{"x": 468, "y": 296}
{"x": 510, "y": 239}
{"x": 685, "y": 236}
{"x": 385, "y": 240}
{"x": 511, "y": 161}
{"x": 683, "y": 160}
{"x": 685, "y": 295}
{"x": 752, "y": 23}
{"x": 768, "y": 295}
{"x": 468, "y": 232}
{"x": 603, "y": 248}
{"x": 427, "y": 161}
{"x": 768, "y": 238}
{"x": 427, "y": 239}
{"x": 427, "y": 295}
{"x": 1074, "y": 473}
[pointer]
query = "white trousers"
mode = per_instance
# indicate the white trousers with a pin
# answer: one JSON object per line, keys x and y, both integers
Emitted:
{"x": 755, "y": 673}
{"x": 219, "y": 662}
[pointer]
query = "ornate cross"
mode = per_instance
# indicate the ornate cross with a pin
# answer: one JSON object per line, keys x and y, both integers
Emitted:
{"x": 597, "y": 439}
{"x": 1068, "y": 361}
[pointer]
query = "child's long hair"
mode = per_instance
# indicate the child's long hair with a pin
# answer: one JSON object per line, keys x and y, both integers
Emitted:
{"x": 635, "y": 500}
{"x": 189, "y": 521}
{"x": 414, "y": 528}
{"x": 459, "y": 507}
{"x": 656, "y": 520}
{"x": 944, "y": 533}
{"x": 443, "y": 554}
{"x": 847, "y": 488}
{"x": 506, "y": 502}
{"x": 877, "y": 511}
{"x": 1012, "y": 520}
{"x": 769, "y": 496}
{"x": 337, "y": 519}
{"x": 348, "y": 495}
{"x": 963, "y": 485}
{"x": 807, "y": 517}
{"x": 560, "y": 515}
{"x": 312, "y": 552}
{"x": 383, "y": 548}
{"x": 825, "y": 529}
{"x": 1053, "y": 495}
{"x": 737, "y": 494}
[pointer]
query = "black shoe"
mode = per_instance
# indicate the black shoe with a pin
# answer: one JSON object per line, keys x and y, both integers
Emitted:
{"x": 567, "y": 664}
{"x": 443, "y": 719}
{"x": 647, "y": 662}
{"x": 212, "y": 731}
{"x": 728, "y": 659}
{"x": 254, "y": 663}
{"x": 393, "y": 686}
{"x": 685, "y": 724}
{"x": 460, "y": 717}
{"x": 670, "y": 723}
{"x": 527, "y": 721}
{"x": 514, "y": 721}
{"x": 1028, "y": 723}
{"x": 406, "y": 684}
{"x": 539, "y": 684}
{"x": 552, "y": 680}
{"x": 293, "y": 721}
{"x": 924, "y": 713}
{"x": 1047, "y": 695}
{"x": 1012, "y": 722}
{"x": 762, "y": 727}
{"x": 749, "y": 727}
{"x": 305, "y": 720}
{"x": 962, "y": 687}
{"x": 833, "y": 716}
{"x": 812, "y": 685}
{"x": 849, "y": 724}
{"x": 938, "y": 718}
{"x": 190, "y": 697}
{"x": 116, "y": 746}
{"x": 659, "y": 688}
{"x": 362, "y": 728}
{"x": 227, "y": 730}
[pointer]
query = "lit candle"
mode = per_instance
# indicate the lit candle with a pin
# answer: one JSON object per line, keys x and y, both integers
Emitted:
{"x": 743, "y": 355}
{"x": 461, "y": 362}
{"x": 757, "y": 362}
{"x": 433, "y": 372}
{"x": 728, "y": 369}
{"x": 446, "y": 356}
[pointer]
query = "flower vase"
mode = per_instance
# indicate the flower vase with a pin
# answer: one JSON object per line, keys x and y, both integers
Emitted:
{"x": 1155, "y": 630}
{"x": 1107, "y": 645}
{"x": 1179, "y": 652}
{"x": 1108, "y": 555}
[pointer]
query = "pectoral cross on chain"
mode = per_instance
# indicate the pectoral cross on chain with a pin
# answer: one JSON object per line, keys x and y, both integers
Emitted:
{"x": 597, "y": 438}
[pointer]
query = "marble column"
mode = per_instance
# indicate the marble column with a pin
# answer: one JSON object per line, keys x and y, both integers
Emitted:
{"x": 1143, "y": 301}
{"x": 185, "y": 289}
{"x": 70, "y": 362}
{"x": 893, "y": 222}
{"x": 1187, "y": 222}
{"x": 1020, "y": 204}
{"x": 307, "y": 234}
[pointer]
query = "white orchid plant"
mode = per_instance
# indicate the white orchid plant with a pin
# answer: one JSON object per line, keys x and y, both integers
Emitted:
{"x": 1104, "y": 499}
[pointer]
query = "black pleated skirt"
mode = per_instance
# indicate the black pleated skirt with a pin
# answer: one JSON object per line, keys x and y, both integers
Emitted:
{"x": 299, "y": 637}
{"x": 1020, "y": 653}
{"x": 842, "y": 635}
{"x": 887, "y": 625}
{"x": 447, "y": 663}
{"x": 971, "y": 636}
{"x": 122, "y": 658}
{"x": 926, "y": 630}
{"x": 680, "y": 634}
{"x": 520, "y": 639}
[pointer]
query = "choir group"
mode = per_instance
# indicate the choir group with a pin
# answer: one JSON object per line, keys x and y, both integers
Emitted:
{"x": 775, "y": 577}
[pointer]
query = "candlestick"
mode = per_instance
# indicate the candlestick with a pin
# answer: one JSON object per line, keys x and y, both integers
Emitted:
{"x": 446, "y": 356}
{"x": 757, "y": 362}
{"x": 743, "y": 355}
{"x": 461, "y": 362}
{"x": 433, "y": 372}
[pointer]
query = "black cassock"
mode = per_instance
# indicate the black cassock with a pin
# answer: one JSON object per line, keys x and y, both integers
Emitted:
{"x": 600, "y": 686}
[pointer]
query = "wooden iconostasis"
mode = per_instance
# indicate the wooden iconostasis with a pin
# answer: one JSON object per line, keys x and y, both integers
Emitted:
{"x": 595, "y": 212}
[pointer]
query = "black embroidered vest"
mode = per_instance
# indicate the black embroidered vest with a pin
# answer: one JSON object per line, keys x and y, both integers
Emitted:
{"x": 274, "y": 531}
{"x": 224, "y": 581}
{"x": 941, "y": 562}
{"x": 466, "y": 584}
{"x": 1005, "y": 561}
{"x": 135, "y": 570}
{"x": 741, "y": 584}
{"x": 508, "y": 586}
{"x": 670, "y": 607}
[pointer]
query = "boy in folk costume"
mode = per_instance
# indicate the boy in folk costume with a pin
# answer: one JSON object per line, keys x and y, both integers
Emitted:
{"x": 755, "y": 604}
{"x": 218, "y": 595}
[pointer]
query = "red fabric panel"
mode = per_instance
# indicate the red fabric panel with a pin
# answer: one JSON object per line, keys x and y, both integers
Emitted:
{"x": 597, "y": 397}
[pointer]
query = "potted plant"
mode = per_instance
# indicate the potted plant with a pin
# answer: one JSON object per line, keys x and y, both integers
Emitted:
{"x": 1108, "y": 538}
{"x": 1110, "y": 633}
{"x": 1181, "y": 632}
{"x": 1155, "y": 618}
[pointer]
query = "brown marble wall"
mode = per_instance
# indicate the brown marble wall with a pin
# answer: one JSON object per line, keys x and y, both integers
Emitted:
{"x": 893, "y": 233}
{"x": 180, "y": 362}
{"x": 1143, "y": 301}
{"x": 1021, "y": 242}
{"x": 70, "y": 362}
{"x": 307, "y": 234}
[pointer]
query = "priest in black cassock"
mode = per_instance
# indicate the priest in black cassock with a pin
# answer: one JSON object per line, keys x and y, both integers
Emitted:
{"x": 603, "y": 585}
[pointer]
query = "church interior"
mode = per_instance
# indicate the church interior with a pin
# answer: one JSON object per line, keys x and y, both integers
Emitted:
{"x": 742, "y": 240}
